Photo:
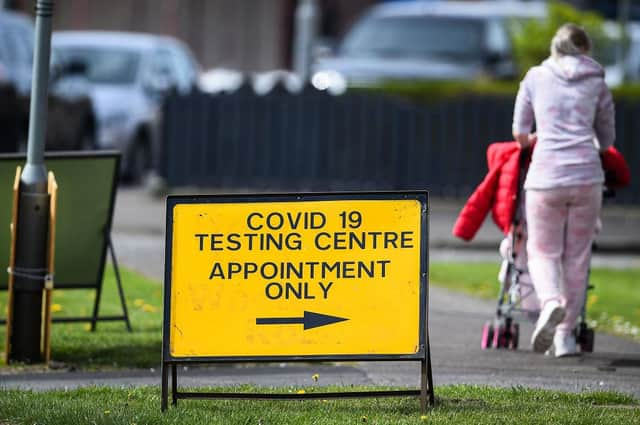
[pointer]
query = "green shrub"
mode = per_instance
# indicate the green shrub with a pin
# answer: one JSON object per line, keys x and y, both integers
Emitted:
{"x": 627, "y": 92}
{"x": 426, "y": 91}
{"x": 531, "y": 38}
{"x": 435, "y": 91}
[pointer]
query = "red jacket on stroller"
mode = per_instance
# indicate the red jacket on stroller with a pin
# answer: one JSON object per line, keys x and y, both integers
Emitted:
{"x": 498, "y": 191}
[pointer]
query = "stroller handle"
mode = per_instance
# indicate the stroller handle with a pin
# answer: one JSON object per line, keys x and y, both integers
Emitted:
{"x": 608, "y": 192}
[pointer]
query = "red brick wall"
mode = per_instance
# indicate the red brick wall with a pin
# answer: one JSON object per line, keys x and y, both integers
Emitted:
{"x": 241, "y": 34}
{"x": 250, "y": 35}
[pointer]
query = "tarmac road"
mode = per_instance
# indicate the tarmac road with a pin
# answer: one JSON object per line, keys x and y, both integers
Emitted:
{"x": 454, "y": 323}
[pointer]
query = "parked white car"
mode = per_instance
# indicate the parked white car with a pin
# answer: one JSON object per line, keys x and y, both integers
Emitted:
{"x": 16, "y": 50}
{"x": 127, "y": 75}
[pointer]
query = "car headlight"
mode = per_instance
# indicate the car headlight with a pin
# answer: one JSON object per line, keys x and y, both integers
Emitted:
{"x": 329, "y": 80}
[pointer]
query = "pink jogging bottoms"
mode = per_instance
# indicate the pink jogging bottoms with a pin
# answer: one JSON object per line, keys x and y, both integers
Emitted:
{"x": 561, "y": 226}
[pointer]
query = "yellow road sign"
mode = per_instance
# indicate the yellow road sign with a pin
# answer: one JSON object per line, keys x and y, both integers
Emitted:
{"x": 332, "y": 275}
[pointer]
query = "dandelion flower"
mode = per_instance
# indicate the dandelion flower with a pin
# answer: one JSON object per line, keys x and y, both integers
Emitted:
{"x": 56, "y": 308}
{"x": 148, "y": 308}
{"x": 424, "y": 418}
{"x": 302, "y": 392}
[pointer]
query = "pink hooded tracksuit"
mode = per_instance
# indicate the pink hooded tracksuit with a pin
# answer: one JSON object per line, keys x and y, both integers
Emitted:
{"x": 574, "y": 116}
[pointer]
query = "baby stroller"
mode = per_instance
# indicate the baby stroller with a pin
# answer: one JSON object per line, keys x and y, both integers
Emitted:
{"x": 517, "y": 296}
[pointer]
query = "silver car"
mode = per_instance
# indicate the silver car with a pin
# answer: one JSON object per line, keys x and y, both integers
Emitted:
{"x": 16, "y": 50}
{"x": 127, "y": 75}
{"x": 71, "y": 120}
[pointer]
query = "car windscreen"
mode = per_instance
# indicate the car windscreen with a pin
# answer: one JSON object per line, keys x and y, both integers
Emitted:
{"x": 416, "y": 37}
{"x": 16, "y": 44}
{"x": 104, "y": 65}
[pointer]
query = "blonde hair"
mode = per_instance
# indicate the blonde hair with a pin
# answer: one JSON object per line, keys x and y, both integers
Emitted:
{"x": 570, "y": 40}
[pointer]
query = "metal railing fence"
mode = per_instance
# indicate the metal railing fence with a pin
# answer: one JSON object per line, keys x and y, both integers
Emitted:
{"x": 312, "y": 141}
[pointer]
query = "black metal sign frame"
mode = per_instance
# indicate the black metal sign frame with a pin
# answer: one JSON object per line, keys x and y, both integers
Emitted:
{"x": 107, "y": 245}
{"x": 170, "y": 363}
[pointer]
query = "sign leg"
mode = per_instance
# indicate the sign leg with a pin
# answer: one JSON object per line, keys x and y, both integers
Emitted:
{"x": 427, "y": 384}
{"x": 116, "y": 269}
{"x": 96, "y": 306}
{"x": 427, "y": 397}
{"x": 164, "y": 397}
{"x": 174, "y": 384}
{"x": 424, "y": 386}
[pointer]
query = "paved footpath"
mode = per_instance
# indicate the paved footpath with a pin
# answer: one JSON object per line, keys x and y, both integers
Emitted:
{"x": 454, "y": 324}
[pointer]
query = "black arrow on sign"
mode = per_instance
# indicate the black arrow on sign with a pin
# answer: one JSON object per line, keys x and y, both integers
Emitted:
{"x": 310, "y": 320}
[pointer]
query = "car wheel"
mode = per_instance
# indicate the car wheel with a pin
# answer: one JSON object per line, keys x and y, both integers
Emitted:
{"x": 88, "y": 141}
{"x": 22, "y": 144}
{"x": 139, "y": 161}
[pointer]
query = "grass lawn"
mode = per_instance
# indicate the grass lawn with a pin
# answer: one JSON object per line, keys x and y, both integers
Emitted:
{"x": 612, "y": 306}
{"x": 111, "y": 345}
{"x": 455, "y": 404}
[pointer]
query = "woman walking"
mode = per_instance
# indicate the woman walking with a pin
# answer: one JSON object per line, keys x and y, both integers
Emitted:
{"x": 573, "y": 111}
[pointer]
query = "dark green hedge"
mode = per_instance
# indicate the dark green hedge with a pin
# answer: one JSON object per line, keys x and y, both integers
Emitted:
{"x": 426, "y": 91}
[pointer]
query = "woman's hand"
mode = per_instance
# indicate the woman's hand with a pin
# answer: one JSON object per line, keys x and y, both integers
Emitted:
{"x": 525, "y": 140}
{"x": 521, "y": 138}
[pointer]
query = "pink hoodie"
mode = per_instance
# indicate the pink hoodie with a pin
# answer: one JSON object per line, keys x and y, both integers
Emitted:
{"x": 574, "y": 116}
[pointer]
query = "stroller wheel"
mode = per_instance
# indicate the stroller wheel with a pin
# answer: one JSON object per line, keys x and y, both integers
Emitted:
{"x": 500, "y": 337}
{"x": 585, "y": 339}
{"x": 487, "y": 336}
{"x": 515, "y": 336}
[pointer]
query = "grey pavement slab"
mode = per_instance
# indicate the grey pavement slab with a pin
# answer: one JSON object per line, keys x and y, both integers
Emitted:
{"x": 285, "y": 375}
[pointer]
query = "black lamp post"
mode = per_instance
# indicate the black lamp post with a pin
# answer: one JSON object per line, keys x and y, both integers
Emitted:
{"x": 32, "y": 229}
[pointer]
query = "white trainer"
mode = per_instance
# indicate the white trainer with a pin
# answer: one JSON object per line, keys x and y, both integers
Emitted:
{"x": 550, "y": 316}
{"x": 565, "y": 344}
